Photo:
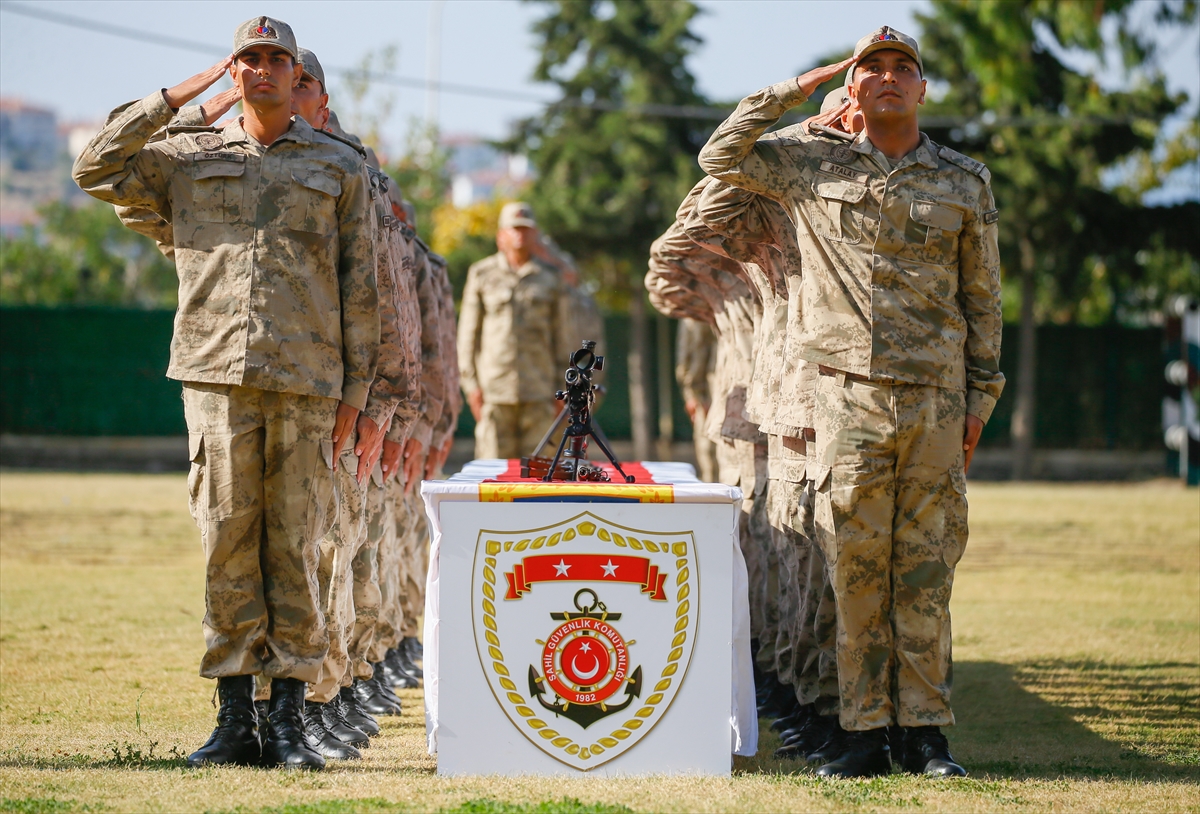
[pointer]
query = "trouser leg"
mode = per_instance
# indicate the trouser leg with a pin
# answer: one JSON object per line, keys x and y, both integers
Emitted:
{"x": 856, "y": 496}
{"x": 535, "y": 417}
{"x": 390, "y": 556}
{"x": 781, "y": 505}
{"x": 415, "y": 562}
{"x": 301, "y": 506}
{"x": 928, "y": 538}
{"x": 706, "y": 451}
{"x": 225, "y": 486}
{"x": 368, "y": 598}
{"x": 335, "y": 575}
{"x": 498, "y": 432}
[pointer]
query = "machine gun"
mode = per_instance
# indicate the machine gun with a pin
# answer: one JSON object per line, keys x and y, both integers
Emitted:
{"x": 569, "y": 462}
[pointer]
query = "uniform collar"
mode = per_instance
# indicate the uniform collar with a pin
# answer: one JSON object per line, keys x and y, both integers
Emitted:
{"x": 925, "y": 154}
{"x": 299, "y": 131}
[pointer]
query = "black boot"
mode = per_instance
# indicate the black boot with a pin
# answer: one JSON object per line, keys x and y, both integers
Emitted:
{"x": 262, "y": 708}
{"x": 356, "y": 716}
{"x": 834, "y": 741}
{"x": 926, "y": 751}
{"x": 393, "y": 674}
{"x": 406, "y": 664}
{"x": 321, "y": 740}
{"x": 810, "y": 735}
{"x": 385, "y": 678}
{"x": 235, "y": 740}
{"x": 371, "y": 700}
{"x": 864, "y": 754}
{"x": 896, "y": 743}
{"x": 779, "y": 699}
{"x": 340, "y": 728}
{"x": 796, "y": 716}
{"x": 385, "y": 690}
{"x": 413, "y": 647}
{"x": 285, "y": 744}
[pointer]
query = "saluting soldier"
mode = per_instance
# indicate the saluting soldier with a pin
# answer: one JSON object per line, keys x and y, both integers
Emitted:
{"x": 902, "y": 298}
{"x": 511, "y": 350}
{"x": 275, "y": 341}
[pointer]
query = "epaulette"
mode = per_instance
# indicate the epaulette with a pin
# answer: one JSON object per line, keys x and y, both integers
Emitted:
{"x": 423, "y": 245}
{"x": 379, "y": 179}
{"x": 966, "y": 162}
{"x": 192, "y": 128}
{"x": 358, "y": 148}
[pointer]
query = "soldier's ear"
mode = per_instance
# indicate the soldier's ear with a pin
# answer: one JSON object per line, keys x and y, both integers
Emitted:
{"x": 297, "y": 72}
{"x": 924, "y": 87}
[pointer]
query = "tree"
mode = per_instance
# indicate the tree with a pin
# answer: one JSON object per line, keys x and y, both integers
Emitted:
{"x": 83, "y": 255}
{"x": 422, "y": 173}
{"x": 1049, "y": 132}
{"x": 610, "y": 176}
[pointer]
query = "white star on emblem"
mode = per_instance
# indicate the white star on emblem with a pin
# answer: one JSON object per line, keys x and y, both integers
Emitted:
{"x": 585, "y": 647}
{"x": 561, "y": 568}
{"x": 610, "y": 570}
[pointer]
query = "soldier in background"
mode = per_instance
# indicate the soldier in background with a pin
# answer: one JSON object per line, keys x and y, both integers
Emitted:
{"x": 511, "y": 347}
{"x": 268, "y": 413}
{"x": 695, "y": 360}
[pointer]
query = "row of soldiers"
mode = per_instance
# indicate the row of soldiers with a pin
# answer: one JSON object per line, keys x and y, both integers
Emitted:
{"x": 315, "y": 340}
{"x": 839, "y": 279}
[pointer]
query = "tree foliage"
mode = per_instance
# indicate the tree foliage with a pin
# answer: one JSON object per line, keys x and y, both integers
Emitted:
{"x": 83, "y": 255}
{"x": 1051, "y": 135}
{"x": 609, "y": 180}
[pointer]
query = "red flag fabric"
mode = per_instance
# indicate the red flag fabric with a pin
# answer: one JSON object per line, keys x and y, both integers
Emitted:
{"x": 586, "y": 568}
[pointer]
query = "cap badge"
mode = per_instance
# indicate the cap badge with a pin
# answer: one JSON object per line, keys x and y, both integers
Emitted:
{"x": 265, "y": 30}
{"x": 885, "y": 34}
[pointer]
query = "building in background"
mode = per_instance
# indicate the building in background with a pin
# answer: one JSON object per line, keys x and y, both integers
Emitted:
{"x": 479, "y": 172}
{"x": 36, "y": 151}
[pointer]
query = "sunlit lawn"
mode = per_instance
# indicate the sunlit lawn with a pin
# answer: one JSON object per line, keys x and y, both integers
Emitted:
{"x": 1077, "y": 671}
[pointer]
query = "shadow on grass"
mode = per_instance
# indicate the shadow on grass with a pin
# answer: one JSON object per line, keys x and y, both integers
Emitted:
{"x": 1051, "y": 719}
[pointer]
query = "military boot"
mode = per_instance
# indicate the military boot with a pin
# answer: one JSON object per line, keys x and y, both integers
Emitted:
{"x": 810, "y": 735}
{"x": 416, "y": 651}
{"x": 356, "y": 716}
{"x": 340, "y": 728}
{"x": 832, "y": 747}
{"x": 383, "y": 685}
{"x": 371, "y": 700}
{"x": 406, "y": 664}
{"x": 321, "y": 740}
{"x": 235, "y": 740}
{"x": 285, "y": 744}
{"x": 863, "y": 754}
{"x": 926, "y": 751}
{"x": 393, "y": 674}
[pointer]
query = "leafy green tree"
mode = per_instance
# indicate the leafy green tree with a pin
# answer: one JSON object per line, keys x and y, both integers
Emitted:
{"x": 83, "y": 255}
{"x": 1071, "y": 244}
{"x": 422, "y": 173}
{"x": 610, "y": 173}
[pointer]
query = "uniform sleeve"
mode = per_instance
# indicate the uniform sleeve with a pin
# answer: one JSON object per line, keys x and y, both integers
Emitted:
{"x": 693, "y": 352}
{"x": 358, "y": 288}
{"x": 190, "y": 116}
{"x": 151, "y": 225}
{"x": 979, "y": 298}
{"x": 470, "y": 325}
{"x": 391, "y": 373}
{"x": 452, "y": 405}
{"x": 734, "y": 152}
{"x": 433, "y": 379}
{"x": 118, "y": 166}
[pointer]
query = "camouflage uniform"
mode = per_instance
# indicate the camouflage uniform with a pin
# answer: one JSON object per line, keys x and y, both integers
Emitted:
{"x": 901, "y": 302}
{"x": 277, "y": 320}
{"x": 511, "y": 346}
{"x": 695, "y": 359}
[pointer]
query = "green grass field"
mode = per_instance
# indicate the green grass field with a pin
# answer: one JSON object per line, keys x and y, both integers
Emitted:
{"x": 1076, "y": 609}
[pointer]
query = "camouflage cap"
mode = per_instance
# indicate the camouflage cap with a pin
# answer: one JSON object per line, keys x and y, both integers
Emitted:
{"x": 835, "y": 99}
{"x": 311, "y": 66}
{"x": 264, "y": 31}
{"x": 517, "y": 213}
{"x": 888, "y": 38}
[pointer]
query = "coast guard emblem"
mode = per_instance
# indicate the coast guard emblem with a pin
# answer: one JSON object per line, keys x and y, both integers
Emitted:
{"x": 584, "y": 631}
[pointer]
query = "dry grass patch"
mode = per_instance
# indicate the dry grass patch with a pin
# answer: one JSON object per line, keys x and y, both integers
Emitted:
{"x": 1077, "y": 661}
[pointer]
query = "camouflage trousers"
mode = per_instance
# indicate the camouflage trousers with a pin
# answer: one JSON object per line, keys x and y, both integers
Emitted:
{"x": 512, "y": 430}
{"x": 749, "y": 461}
{"x": 365, "y": 573}
{"x": 335, "y": 575}
{"x": 415, "y": 564}
{"x": 390, "y": 619}
{"x": 706, "y": 450}
{"x": 261, "y": 489}
{"x": 892, "y": 521}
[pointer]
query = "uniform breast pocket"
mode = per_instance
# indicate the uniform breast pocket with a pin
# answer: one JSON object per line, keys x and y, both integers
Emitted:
{"x": 312, "y": 205}
{"x": 932, "y": 232}
{"x": 535, "y": 300}
{"x": 217, "y": 191}
{"x": 842, "y": 217}
{"x": 496, "y": 298}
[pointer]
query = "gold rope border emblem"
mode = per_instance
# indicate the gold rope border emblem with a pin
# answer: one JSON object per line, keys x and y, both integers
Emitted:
{"x": 682, "y": 612}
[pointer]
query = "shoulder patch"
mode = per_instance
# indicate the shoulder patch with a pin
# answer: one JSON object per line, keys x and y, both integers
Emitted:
{"x": 991, "y": 216}
{"x": 966, "y": 162}
{"x": 358, "y": 148}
